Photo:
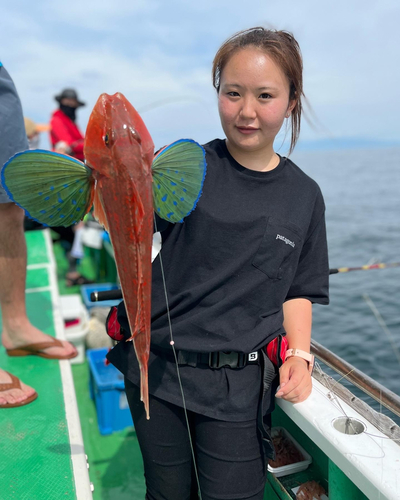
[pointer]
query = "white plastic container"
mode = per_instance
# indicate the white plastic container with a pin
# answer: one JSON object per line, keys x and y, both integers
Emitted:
{"x": 72, "y": 308}
{"x": 285, "y": 470}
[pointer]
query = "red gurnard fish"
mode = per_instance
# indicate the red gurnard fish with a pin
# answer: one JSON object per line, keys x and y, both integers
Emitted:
{"x": 121, "y": 151}
{"x": 126, "y": 184}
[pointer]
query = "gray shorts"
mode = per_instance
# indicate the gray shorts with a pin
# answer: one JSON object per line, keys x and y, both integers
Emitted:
{"x": 3, "y": 196}
{"x": 12, "y": 129}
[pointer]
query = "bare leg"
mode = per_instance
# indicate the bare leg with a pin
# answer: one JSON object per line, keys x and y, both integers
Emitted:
{"x": 17, "y": 329}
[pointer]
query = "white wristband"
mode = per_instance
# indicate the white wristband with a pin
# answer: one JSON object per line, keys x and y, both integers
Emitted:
{"x": 301, "y": 354}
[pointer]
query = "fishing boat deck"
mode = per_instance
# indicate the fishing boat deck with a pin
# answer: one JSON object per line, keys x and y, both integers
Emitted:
{"x": 41, "y": 446}
{"x": 365, "y": 465}
{"x": 115, "y": 463}
{"x": 43, "y": 453}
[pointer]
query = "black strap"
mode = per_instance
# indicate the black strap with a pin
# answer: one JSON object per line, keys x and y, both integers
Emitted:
{"x": 213, "y": 360}
{"x": 267, "y": 402}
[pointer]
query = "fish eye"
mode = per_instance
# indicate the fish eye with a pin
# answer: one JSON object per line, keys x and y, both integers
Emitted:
{"x": 106, "y": 140}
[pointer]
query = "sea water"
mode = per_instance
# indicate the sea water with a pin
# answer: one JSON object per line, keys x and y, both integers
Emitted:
{"x": 361, "y": 189}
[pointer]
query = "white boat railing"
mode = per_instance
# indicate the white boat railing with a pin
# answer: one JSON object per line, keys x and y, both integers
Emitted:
{"x": 369, "y": 386}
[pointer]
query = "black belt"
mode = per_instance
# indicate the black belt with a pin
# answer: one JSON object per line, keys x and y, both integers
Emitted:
{"x": 220, "y": 359}
{"x": 214, "y": 360}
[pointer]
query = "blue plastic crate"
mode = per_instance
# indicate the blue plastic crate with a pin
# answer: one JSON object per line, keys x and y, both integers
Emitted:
{"x": 106, "y": 387}
{"x": 86, "y": 290}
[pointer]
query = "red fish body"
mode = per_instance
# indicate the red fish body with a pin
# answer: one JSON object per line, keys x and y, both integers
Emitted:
{"x": 120, "y": 150}
{"x": 126, "y": 184}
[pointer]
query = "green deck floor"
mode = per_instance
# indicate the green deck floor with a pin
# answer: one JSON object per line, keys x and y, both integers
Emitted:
{"x": 35, "y": 460}
{"x": 115, "y": 463}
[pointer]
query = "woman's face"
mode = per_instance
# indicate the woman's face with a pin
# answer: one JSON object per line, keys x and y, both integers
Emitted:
{"x": 253, "y": 101}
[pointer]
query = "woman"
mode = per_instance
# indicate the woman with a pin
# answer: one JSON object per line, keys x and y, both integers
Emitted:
{"x": 241, "y": 271}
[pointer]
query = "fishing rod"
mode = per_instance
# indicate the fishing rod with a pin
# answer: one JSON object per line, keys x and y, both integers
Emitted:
{"x": 364, "y": 268}
{"x": 117, "y": 294}
{"x": 106, "y": 295}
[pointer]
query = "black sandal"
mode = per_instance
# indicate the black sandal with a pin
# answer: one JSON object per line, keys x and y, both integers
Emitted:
{"x": 78, "y": 281}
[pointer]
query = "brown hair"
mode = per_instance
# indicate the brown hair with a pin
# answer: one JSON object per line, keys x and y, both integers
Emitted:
{"x": 282, "y": 47}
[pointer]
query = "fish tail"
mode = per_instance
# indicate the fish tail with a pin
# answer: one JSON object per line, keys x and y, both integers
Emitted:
{"x": 144, "y": 389}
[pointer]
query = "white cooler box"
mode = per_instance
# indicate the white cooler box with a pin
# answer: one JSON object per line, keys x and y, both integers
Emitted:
{"x": 74, "y": 312}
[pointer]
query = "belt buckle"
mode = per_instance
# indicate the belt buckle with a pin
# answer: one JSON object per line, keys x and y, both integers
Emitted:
{"x": 231, "y": 359}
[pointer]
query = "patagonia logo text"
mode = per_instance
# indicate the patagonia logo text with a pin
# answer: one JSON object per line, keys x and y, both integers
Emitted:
{"x": 288, "y": 242}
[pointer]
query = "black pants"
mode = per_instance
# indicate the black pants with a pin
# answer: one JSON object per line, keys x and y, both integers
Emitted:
{"x": 229, "y": 455}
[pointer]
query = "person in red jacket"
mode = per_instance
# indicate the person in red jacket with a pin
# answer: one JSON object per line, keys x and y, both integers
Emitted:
{"x": 66, "y": 138}
{"x": 64, "y": 132}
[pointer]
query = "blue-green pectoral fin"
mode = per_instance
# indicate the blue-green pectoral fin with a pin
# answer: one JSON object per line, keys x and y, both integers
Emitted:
{"x": 178, "y": 176}
{"x": 53, "y": 189}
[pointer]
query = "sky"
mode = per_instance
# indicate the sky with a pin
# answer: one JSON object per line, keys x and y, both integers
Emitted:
{"x": 159, "y": 53}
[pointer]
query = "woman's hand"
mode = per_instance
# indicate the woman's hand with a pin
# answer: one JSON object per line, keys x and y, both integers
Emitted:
{"x": 295, "y": 380}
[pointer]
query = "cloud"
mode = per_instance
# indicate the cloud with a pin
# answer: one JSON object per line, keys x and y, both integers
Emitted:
{"x": 97, "y": 15}
{"x": 161, "y": 53}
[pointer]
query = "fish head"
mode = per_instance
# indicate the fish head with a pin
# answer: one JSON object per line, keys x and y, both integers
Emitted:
{"x": 116, "y": 135}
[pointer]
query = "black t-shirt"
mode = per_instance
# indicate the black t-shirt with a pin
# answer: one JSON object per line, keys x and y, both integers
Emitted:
{"x": 255, "y": 240}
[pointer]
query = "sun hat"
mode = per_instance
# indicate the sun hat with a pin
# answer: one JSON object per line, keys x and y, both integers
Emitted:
{"x": 70, "y": 94}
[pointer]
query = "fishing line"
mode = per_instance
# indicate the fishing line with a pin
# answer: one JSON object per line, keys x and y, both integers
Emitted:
{"x": 334, "y": 400}
{"x": 368, "y": 435}
{"x": 382, "y": 323}
{"x": 172, "y": 343}
{"x": 344, "y": 376}
{"x": 333, "y": 397}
